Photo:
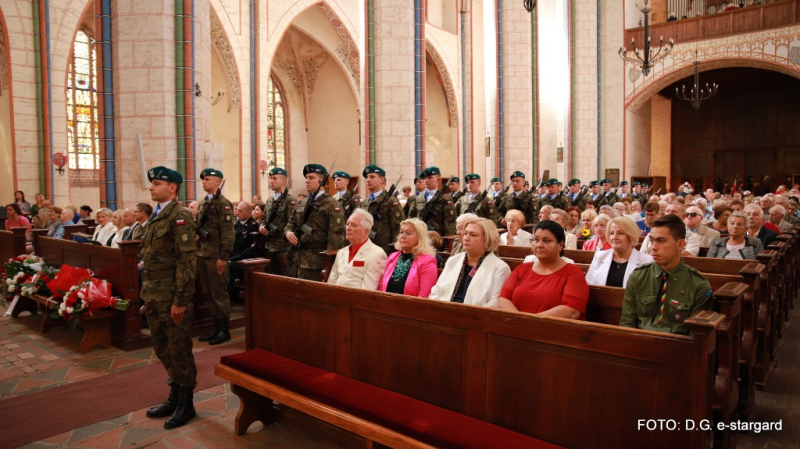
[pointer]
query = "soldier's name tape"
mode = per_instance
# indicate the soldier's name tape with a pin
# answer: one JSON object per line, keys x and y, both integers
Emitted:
{"x": 688, "y": 425}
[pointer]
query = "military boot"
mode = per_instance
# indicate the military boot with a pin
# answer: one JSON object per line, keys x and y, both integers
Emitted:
{"x": 185, "y": 409}
{"x": 223, "y": 335}
{"x": 214, "y": 331}
{"x": 168, "y": 407}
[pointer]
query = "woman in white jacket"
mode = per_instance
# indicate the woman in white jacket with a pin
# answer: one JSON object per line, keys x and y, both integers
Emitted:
{"x": 105, "y": 230}
{"x": 612, "y": 268}
{"x": 475, "y": 276}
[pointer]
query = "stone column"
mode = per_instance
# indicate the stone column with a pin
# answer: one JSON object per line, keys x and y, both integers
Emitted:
{"x": 516, "y": 82}
{"x": 585, "y": 112}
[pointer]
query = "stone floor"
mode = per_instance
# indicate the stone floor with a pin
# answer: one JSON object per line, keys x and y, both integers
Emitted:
{"x": 30, "y": 362}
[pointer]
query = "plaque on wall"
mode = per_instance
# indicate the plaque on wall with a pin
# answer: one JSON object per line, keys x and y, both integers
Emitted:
{"x": 613, "y": 175}
{"x": 560, "y": 154}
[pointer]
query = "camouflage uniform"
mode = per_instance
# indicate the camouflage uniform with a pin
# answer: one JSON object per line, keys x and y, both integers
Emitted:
{"x": 387, "y": 220}
{"x": 578, "y": 200}
{"x": 217, "y": 217}
{"x": 442, "y": 215}
{"x": 275, "y": 245}
{"x": 558, "y": 202}
{"x": 485, "y": 209}
{"x": 524, "y": 202}
{"x": 168, "y": 277}
{"x": 327, "y": 233}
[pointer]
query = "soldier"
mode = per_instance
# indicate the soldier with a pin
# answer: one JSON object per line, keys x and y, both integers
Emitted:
{"x": 278, "y": 210}
{"x": 518, "y": 199}
{"x": 453, "y": 185}
{"x": 608, "y": 197}
{"x": 215, "y": 242}
{"x": 169, "y": 268}
{"x": 323, "y": 231}
{"x": 347, "y": 202}
{"x": 660, "y": 296}
{"x": 623, "y": 190}
{"x": 386, "y": 212}
{"x": 574, "y": 197}
{"x": 497, "y": 191}
{"x": 594, "y": 193}
{"x": 419, "y": 189}
{"x": 476, "y": 201}
{"x": 553, "y": 196}
{"x": 245, "y": 232}
{"x": 436, "y": 209}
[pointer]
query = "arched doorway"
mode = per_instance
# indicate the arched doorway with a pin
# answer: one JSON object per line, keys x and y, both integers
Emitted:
{"x": 441, "y": 132}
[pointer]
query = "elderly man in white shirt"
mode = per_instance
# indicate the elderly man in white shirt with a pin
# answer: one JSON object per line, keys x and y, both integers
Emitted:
{"x": 692, "y": 240}
{"x": 360, "y": 264}
{"x": 694, "y": 223}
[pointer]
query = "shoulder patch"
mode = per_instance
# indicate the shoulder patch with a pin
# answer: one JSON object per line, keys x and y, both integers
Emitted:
{"x": 227, "y": 208}
{"x": 709, "y": 293}
{"x": 337, "y": 209}
{"x": 293, "y": 202}
{"x": 180, "y": 222}
{"x": 449, "y": 202}
{"x": 396, "y": 204}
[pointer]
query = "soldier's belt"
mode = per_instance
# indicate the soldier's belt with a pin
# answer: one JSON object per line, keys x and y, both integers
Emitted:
{"x": 160, "y": 274}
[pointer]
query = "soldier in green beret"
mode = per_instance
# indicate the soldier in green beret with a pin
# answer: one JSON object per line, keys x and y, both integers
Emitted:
{"x": 386, "y": 211}
{"x": 518, "y": 198}
{"x": 553, "y": 197}
{"x": 608, "y": 197}
{"x": 410, "y": 209}
{"x": 475, "y": 201}
{"x": 347, "y": 201}
{"x": 169, "y": 267}
{"x": 324, "y": 230}
{"x": 436, "y": 207}
{"x": 497, "y": 192}
{"x": 215, "y": 234}
{"x": 594, "y": 193}
{"x": 574, "y": 197}
{"x": 279, "y": 207}
{"x": 453, "y": 185}
{"x": 623, "y": 190}
{"x": 661, "y": 295}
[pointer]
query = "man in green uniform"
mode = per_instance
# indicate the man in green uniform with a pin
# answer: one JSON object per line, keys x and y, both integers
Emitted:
{"x": 574, "y": 197}
{"x": 347, "y": 202}
{"x": 660, "y": 296}
{"x": 594, "y": 193}
{"x": 497, "y": 192}
{"x": 386, "y": 212}
{"x": 215, "y": 235}
{"x": 623, "y": 190}
{"x": 435, "y": 207}
{"x": 278, "y": 209}
{"x": 419, "y": 192}
{"x": 607, "y": 196}
{"x": 324, "y": 229}
{"x": 475, "y": 201}
{"x": 453, "y": 185}
{"x": 518, "y": 198}
{"x": 168, "y": 275}
{"x": 553, "y": 197}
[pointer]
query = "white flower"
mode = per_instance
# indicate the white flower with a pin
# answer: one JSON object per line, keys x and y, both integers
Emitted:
{"x": 84, "y": 304}
{"x": 62, "y": 306}
{"x": 35, "y": 267}
{"x": 81, "y": 295}
{"x": 69, "y": 309}
{"x": 9, "y": 281}
{"x": 11, "y": 288}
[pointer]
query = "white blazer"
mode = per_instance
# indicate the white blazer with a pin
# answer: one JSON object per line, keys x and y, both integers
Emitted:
{"x": 523, "y": 238}
{"x": 601, "y": 264}
{"x": 372, "y": 261}
{"x": 485, "y": 286}
{"x": 102, "y": 234}
{"x": 570, "y": 241}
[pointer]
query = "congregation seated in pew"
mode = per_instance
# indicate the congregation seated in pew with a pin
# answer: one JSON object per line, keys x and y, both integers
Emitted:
{"x": 412, "y": 269}
{"x": 475, "y": 276}
{"x": 660, "y": 296}
{"x": 59, "y": 219}
{"x": 461, "y": 222}
{"x": 560, "y": 216}
{"x": 361, "y": 263}
{"x": 757, "y": 227}
{"x": 105, "y": 228}
{"x": 613, "y": 268}
{"x": 692, "y": 240}
{"x": 736, "y": 245}
{"x": 549, "y": 286}
{"x": 598, "y": 242}
{"x": 516, "y": 236}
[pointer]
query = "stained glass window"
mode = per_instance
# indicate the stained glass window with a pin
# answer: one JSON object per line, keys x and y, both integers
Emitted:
{"x": 82, "y": 130}
{"x": 276, "y": 125}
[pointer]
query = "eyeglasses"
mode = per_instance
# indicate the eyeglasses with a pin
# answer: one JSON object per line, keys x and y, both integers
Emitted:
{"x": 692, "y": 214}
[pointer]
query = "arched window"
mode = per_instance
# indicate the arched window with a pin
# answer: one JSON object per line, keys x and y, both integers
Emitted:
{"x": 277, "y": 138}
{"x": 82, "y": 131}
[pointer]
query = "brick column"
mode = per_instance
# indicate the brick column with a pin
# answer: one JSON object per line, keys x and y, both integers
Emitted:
{"x": 585, "y": 112}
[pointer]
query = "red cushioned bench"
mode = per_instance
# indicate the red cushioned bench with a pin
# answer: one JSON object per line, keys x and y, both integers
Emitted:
{"x": 258, "y": 377}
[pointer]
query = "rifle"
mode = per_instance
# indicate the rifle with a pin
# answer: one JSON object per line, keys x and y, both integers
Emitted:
{"x": 458, "y": 195}
{"x": 271, "y": 226}
{"x": 658, "y": 191}
{"x": 202, "y": 232}
{"x": 581, "y": 194}
{"x": 429, "y": 205}
{"x": 304, "y": 227}
{"x": 610, "y": 193}
{"x": 389, "y": 193}
{"x": 477, "y": 202}
{"x": 349, "y": 195}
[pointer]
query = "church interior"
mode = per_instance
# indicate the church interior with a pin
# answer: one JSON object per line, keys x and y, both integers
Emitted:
{"x": 94, "y": 93}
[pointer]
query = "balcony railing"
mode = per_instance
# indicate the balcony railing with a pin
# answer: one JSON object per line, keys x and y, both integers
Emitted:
{"x": 745, "y": 20}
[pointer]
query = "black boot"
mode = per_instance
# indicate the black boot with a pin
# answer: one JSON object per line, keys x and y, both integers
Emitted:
{"x": 214, "y": 331}
{"x": 168, "y": 407}
{"x": 223, "y": 335}
{"x": 185, "y": 409}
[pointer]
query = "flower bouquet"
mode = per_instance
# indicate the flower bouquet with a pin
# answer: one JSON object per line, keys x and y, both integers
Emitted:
{"x": 81, "y": 293}
{"x": 23, "y": 276}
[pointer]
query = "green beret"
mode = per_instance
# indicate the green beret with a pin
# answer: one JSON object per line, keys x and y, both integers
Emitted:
{"x": 164, "y": 174}
{"x": 431, "y": 171}
{"x": 517, "y": 174}
{"x": 594, "y": 183}
{"x": 636, "y": 183}
{"x": 454, "y": 179}
{"x": 278, "y": 171}
{"x": 644, "y": 184}
{"x": 472, "y": 176}
{"x": 373, "y": 169}
{"x": 623, "y": 183}
{"x": 497, "y": 180}
{"x": 341, "y": 174}
{"x": 572, "y": 182}
{"x": 606, "y": 180}
{"x": 559, "y": 183}
{"x": 210, "y": 172}
{"x": 553, "y": 181}
{"x": 422, "y": 175}
{"x": 314, "y": 168}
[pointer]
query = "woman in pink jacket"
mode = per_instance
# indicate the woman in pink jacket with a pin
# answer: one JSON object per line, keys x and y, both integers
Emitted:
{"x": 412, "y": 269}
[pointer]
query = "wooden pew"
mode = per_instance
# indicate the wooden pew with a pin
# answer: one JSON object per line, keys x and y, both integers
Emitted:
{"x": 12, "y": 244}
{"x": 509, "y": 369}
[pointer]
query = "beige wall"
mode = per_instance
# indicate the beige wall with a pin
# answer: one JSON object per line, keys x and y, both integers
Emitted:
{"x": 660, "y": 136}
{"x": 638, "y": 141}
{"x": 6, "y": 151}
{"x": 440, "y": 140}
{"x": 226, "y": 130}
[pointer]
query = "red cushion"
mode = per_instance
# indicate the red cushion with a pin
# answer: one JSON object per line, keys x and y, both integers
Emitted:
{"x": 422, "y": 421}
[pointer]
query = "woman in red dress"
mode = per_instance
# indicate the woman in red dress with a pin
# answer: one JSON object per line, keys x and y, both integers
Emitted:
{"x": 549, "y": 286}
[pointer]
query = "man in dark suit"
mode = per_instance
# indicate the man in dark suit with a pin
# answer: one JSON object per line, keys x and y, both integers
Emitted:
{"x": 756, "y": 228}
{"x": 245, "y": 232}
{"x": 141, "y": 213}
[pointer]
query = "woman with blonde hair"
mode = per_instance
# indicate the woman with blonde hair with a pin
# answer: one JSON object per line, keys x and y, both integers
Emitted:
{"x": 612, "y": 268}
{"x": 516, "y": 236}
{"x": 411, "y": 270}
{"x": 475, "y": 276}
{"x": 587, "y": 217}
{"x": 598, "y": 243}
{"x": 105, "y": 230}
{"x": 116, "y": 220}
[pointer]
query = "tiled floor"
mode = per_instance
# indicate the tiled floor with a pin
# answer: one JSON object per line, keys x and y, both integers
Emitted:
{"x": 30, "y": 362}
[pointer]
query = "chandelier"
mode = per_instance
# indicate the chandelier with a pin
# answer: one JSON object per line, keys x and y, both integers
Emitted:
{"x": 648, "y": 58}
{"x": 696, "y": 95}
{"x": 529, "y": 5}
